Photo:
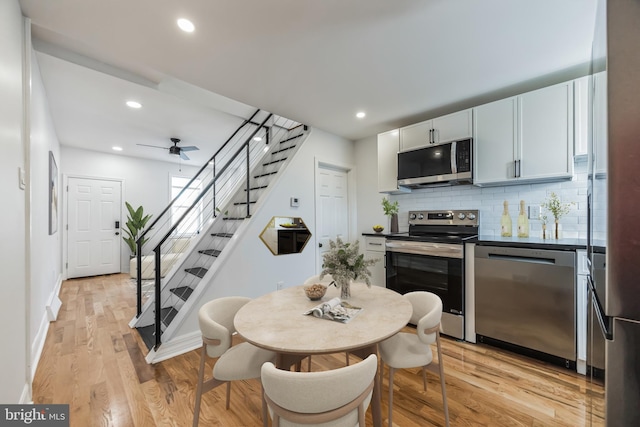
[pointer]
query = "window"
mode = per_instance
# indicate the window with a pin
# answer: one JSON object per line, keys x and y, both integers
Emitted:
{"x": 192, "y": 223}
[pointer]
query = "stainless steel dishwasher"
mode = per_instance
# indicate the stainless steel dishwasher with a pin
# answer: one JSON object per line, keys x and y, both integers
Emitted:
{"x": 527, "y": 297}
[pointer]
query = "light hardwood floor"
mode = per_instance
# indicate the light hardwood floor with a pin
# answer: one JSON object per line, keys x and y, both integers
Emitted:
{"x": 93, "y": 361}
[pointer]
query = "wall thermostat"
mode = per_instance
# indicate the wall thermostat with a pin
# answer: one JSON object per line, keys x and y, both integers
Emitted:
{"x": 295, "y": 202}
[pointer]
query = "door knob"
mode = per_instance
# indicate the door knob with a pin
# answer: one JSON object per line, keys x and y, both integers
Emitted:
{"x": 117, "y": 233}
{"x": 319, "y": 245}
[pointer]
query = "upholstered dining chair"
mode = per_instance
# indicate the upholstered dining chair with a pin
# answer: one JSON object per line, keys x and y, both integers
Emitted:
{"x": 412, "y": 350}
{"x": 338, "y": 397}
{"x": 239, "y": 362}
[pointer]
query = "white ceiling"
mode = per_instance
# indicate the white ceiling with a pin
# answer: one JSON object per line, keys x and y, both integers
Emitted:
{"x": 316, "y": 62}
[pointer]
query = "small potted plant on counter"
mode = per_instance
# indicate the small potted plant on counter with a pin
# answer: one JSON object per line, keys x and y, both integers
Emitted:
{"x": 391, "y": 210}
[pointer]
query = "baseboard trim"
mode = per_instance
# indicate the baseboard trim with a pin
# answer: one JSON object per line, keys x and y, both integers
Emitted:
{"x": 175, "y": 347}
{"x": 51, "y": 314}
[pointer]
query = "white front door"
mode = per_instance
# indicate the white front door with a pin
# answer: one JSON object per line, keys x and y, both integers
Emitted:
{"x": 332, "y": 208}
{"x": 93, "y": 207}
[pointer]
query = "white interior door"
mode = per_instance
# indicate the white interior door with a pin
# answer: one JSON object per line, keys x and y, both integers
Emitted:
{"x": 93, "y": 242}
{"x": 332, "y": 208}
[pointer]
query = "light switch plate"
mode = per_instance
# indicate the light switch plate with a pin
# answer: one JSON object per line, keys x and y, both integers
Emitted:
{"x": 295, "y": 202}
{"x": 534, "y": 211}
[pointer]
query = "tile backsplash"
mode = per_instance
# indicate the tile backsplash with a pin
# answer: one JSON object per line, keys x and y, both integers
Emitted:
{"x": 489, "y": 201}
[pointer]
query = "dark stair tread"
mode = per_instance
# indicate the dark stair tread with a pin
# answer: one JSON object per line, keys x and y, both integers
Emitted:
{"x": 197, "y": 271}
{"x": 148, "y": 335}
{"x": 283, "y": 149}
{"x": 291, "y": 138}
{"x": 274, "y": 162}
{"x": 234, "y": 218}
{"x": 228, "y": 235}
{"x": 167, "y": 315}
{"x": 257, "y": 188}
{"x": 243, "y": 203}
{"x": 265, "y": 174}
{"x": 210, "y": 252}
{"x": 184, "y": 292}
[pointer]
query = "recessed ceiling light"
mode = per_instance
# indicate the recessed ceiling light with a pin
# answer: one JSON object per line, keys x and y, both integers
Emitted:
{"x": 361, "y": 114}
{"x": 257, "y": 138}
{"x": 134, "y": 104}
{"x": 116, "y": 148}
{"x": 186, "y": 25}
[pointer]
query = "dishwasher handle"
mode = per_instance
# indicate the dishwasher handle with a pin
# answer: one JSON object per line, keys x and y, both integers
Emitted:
{"x": 518, "y": 258}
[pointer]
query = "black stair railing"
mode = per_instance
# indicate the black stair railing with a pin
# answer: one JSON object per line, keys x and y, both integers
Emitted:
{"x": 244, "y": 148}
{"x": 167, "y": 211}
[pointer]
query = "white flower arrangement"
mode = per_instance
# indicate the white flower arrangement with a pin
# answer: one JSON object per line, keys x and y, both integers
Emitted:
{"x": 344, "y": 262}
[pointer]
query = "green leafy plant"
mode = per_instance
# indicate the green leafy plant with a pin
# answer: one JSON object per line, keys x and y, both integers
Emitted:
{"x": 390, "y": 208}
{"x": 136, "y": 221}
{"x": 344, "y": 262}
{"x": 556, "y": 207}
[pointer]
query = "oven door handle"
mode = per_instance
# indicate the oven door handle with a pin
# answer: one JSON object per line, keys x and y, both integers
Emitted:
{"x": 440, "y": 250}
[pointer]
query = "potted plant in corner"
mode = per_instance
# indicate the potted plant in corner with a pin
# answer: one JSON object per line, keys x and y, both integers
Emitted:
{"x": 391, "y": 210}
{"x": 557, "y": 209}
{"x": 136, "y": 221}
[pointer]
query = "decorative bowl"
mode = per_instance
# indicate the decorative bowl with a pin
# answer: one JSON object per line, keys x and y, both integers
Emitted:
{"x": 378, "y": 228}
{"x": 315, "y": 291}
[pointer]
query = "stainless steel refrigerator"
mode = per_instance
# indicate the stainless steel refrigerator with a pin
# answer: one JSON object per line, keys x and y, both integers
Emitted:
{"x": 614, "y": 208}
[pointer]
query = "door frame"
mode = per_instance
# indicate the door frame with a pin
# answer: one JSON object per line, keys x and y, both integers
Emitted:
{"x": 65, "y": 216}
{"x": 350, "y": 170}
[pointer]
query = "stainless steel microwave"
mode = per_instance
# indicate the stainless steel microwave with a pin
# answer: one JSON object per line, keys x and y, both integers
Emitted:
{"x": 445, "y": 163}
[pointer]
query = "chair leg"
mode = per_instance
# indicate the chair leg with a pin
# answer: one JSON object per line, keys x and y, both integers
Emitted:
{"x": 391, "y": 371}
{"x": 265, "y": 412}
{"x": 228, "y": 393}
{"x": 196, "y": 409}
{"x": 346, "y": 355}
{"x": 444, "y": 390}
{"x": 309, "y": 364}
{"x": 424, "y": 377}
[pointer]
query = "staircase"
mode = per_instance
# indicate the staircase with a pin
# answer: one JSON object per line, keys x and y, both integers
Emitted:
{"x": 210, "y": 215}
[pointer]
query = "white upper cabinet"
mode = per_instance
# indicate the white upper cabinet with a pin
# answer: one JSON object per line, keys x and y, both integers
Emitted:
{"x": 581, "y": 95}
{"x": 495, "y": 140}
{"x": 525, "y": 138}
{"x": 600, "y": 123}
{"x": 451, "y": 127}
{"x": 388, "y": 147}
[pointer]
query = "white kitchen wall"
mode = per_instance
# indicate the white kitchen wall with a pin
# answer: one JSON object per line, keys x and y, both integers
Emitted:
{"x": 489, "y": 201}
{"x": 13, "y": 291}
{"x": 46, "y": 255}
{"x": 145, "y": 182}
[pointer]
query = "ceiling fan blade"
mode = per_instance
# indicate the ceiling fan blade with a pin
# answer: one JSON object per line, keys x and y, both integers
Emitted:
{"x": 183, "y": 156}
{"x": 189, "y": 148}
{"x": 152, "y": 146}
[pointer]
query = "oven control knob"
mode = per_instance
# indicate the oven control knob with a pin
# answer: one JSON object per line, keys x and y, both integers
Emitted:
{"x": 420, "y": 216}
{"x": 471, "y": 216}
{"x": 461, "y": 215}
{"x": 412, "y": 216}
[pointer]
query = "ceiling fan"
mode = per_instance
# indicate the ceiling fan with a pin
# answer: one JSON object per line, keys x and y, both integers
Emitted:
{"x": 179, "y": 151}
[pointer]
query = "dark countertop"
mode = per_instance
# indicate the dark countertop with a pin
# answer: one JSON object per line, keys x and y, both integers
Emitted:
{"x": 384, "y": 234}
{"x": 530, "y": 242}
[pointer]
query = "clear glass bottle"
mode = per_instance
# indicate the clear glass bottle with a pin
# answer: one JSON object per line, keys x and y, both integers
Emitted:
{"x": 506, "y": 227}
{"x": 523, "y": 222}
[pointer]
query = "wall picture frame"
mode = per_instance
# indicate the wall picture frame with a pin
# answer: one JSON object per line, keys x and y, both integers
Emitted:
{"x": 53, "y": 194}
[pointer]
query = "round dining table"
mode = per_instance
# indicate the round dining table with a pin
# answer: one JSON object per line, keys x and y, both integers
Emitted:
{"x": 276, "y": 322}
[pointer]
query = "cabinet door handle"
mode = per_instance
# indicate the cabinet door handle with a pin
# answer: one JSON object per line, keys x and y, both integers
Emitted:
{"x": 518, "y": 168}
{"x": 430, "y": 136}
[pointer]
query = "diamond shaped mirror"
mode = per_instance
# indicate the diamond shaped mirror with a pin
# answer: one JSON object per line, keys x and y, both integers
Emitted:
{"x": 285, "y": 235}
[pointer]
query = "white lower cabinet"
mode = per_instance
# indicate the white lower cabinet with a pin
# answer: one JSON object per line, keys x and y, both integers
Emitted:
{"x": 374, "y": 249}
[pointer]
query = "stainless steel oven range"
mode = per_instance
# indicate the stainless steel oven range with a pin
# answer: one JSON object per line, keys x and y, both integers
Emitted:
{"x": 430, "y": 257}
